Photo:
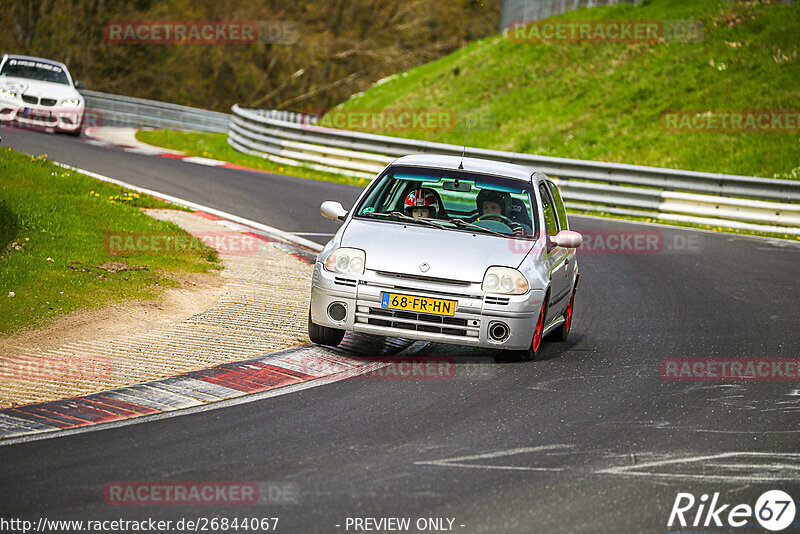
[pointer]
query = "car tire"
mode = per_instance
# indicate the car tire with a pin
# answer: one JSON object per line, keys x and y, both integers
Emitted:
{"x": 536, "y": 343}
{"x": 75, "y": 133}
{"x": 562, "y": 332}
{"x": 324, "y": 335}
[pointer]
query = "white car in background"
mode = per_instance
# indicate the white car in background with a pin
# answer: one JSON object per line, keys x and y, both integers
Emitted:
{"x": 37, "y": 92}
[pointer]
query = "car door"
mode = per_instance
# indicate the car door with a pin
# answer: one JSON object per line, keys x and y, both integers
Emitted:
{"x": 557, "y": 258}
{"x": 563, "y": 224}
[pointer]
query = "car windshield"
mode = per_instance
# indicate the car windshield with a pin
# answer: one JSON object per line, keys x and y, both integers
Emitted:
{"x": 452, "y": 200}
{"x": 34, "y": 70}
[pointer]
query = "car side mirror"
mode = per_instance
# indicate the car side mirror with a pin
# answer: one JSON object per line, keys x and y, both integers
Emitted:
{"x": 567, "y": 239}
{"x": 332, "y": 210}
{"x": 80, "y": 86}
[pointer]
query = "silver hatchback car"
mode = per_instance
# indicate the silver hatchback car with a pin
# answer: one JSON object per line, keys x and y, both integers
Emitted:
{"x": 439, "y": 248}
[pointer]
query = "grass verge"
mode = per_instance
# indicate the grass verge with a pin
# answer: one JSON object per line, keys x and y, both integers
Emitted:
{"x": 604, "y": 101}
{"x": 53, "y": 257}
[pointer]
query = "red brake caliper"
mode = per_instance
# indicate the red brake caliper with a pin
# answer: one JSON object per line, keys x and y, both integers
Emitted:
{"x": 537, "y": 334}
{"x": 569, "y": 310}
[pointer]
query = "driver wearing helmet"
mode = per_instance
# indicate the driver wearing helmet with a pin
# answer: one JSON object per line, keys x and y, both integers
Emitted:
{"x": 496, "y": 206}
{"x": 421, "y": 203}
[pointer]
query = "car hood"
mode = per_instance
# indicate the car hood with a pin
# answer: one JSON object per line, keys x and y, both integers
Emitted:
{"x": 39, "y": 89}
{"x": 450, "y": 254}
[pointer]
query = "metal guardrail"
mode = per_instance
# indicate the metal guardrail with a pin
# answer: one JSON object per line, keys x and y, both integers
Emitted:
{"x": 764, "y": 204}
{"x": 105, "y": 109}
{"x": 286, "y": 116}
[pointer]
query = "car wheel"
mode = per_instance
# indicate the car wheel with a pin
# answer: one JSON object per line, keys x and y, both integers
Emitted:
{"x": 536, "y": 343}
{"x": 324, "y": 335}
{"x": 563, "y": 331}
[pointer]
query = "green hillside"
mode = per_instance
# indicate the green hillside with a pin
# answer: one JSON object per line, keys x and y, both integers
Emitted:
{"x": 604, "y": 101}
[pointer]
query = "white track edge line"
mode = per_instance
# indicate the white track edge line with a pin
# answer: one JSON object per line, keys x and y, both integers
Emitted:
{"x": 293, "y": 238}
{"x": 286, "y": 236}
{"x": 776, "y": 240}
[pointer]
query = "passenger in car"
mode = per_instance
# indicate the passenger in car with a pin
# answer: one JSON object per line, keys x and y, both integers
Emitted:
{"x": 421, "y": 203}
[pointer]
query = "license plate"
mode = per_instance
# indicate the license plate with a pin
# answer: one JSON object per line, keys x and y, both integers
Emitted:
{"x": 395, "y": 301}
{"x": 37, "y": 112}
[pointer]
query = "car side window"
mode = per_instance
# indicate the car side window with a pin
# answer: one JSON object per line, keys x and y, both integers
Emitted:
{"x": 561, "y": 211}
{"x": 549, "y": 212}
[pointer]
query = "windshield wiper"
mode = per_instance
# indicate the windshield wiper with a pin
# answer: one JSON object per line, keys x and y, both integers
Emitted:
{"x": 404, "y": 217}
{"x": 465, "y": 224}
{"x": 424, "y": 220}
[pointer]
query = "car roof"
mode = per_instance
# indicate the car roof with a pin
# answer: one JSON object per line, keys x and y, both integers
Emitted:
{"x": 483, "y": 166}
{"x": 34, "y": 58}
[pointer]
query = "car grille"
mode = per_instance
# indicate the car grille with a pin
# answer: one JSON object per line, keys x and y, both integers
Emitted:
{"x": 30, "y": 99}
{"x": 420, "y": 322}
{"x": 444, "y": 292}
{"x": 500, "y": 301}
{"x": 421, "y": 278}
{"x": 48, "y": 102}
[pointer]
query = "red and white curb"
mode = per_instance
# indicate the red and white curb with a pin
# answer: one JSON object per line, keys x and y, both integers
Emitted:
{"x": 198, "y": 160}
{"x": 125, "y": 139}
{"x": 224, "y": 385}
{"x": 237, "y": 383}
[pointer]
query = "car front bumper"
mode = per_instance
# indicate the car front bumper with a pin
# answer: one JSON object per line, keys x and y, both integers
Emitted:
{"x": 33, "y": 116}
{"x": 476, "y": 313}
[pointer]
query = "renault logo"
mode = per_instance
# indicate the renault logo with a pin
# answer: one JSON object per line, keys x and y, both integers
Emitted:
{"x": 424, "y": 267}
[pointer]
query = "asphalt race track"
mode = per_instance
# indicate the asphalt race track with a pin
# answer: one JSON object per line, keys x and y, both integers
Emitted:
{"x": 589, "y": 439}
{"x": 285, "y": 203}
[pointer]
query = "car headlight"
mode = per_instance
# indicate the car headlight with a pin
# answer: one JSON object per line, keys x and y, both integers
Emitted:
{"x": 8, "y": 93}
{"x": 71, "y": 102}
{"x": 504, "y": 281}
{"x": 346, "y": 261}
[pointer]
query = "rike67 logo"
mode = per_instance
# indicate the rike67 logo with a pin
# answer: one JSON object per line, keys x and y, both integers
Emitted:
{"x": 774, "y": 510}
